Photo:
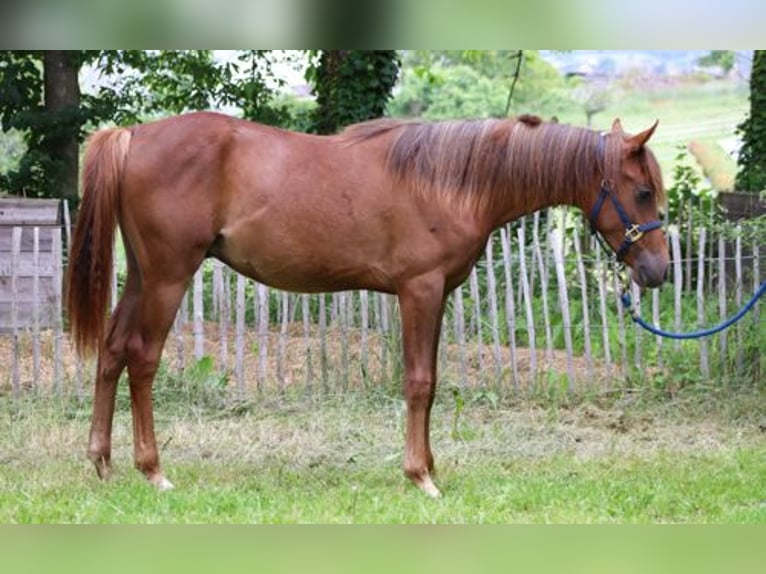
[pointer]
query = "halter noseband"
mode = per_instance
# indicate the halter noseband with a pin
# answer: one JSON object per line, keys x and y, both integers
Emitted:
{"x": 633, "y": 231}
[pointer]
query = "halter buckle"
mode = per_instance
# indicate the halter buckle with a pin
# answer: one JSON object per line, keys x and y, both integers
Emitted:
{"x": 633, "y": 233}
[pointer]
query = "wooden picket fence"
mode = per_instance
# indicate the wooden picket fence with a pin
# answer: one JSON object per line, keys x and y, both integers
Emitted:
{"x": 540, "y": 310}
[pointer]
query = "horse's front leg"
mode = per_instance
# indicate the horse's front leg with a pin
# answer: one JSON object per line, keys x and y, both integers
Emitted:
{"x": 421, "y": 302}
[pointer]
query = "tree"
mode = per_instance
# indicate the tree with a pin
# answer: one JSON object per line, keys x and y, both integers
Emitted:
{"x": 40, "y": 97}
{"x": 251, "y": 92}
{"x": 594, "y": 98}
{"x": 474, "y": 83}
{"x": 752, "y": 156}
{"x": 457, "y": 91}
{"x": 722, "y": 58}
{"x": 350, "y": 86}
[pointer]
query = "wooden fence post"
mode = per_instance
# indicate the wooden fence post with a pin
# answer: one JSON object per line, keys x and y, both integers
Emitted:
{"x": 538, "y": 256}
{"x": 284, "y": 305}
{"x": 494, "y": 322}
{"x": 476, "y": 319}
{"x": 217, "y": 288}
{"x": 675, "y": 244}
{"x": 239, "y": 358}
{"x": 382, "y": 320}
{"x": 58, "y": 310}
{"x": 602, "y": 270}
{"x": 198, "y": 313}
{"x": 528, "y": 306}
{"x": 178, "y": 330}
{"x": 36, "y": 307}
{"x": 704, "y": 364}
{"x": 459, "y": 326}
{"x": 15, "y": 256}
{"x": 557, "y": 246}
{"x": 656, "y": 321}
{"x": 221, "y": 275}
{"x": 510, "y": 307}
{"x": 620, "y": 321}
{"x": 263, "y": 334}
{"x": 343, "y": 321}
{"x": 364, "y": 304}
{"x": 323, "y": 357}
{"x": 635, "y": 293}
{"x": 722, "y": 337}
{"x": 306, "y": 316}
{"x": 740, "y": 355}
{"x": 67, "y": 225}
{"x": 585, "y": 307}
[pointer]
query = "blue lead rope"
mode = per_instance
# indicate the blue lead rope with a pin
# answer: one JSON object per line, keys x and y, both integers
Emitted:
{"x": 628, "y": 304}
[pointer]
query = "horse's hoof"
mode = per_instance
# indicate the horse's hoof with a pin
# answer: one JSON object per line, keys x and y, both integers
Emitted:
{"x": 103, "y": 468}
{"x": 160, "y": 482}
{"x": 427, "y": 485}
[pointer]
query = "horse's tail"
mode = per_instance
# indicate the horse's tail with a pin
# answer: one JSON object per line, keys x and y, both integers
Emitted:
{"x": 90, "y": 260}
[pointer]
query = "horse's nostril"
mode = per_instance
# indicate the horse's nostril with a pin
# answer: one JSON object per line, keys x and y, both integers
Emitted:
{"x": 652, "y": 276}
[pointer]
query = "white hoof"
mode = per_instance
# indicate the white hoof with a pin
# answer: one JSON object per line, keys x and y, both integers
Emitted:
{"x": 161, "y": 483}
{"x": 427, "y": 485}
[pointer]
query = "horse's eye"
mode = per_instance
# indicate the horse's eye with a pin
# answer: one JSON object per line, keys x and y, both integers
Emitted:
{"x": 644, "y": 194}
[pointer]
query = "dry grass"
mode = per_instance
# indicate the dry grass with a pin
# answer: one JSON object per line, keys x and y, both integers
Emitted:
{"x": 310, "y": 430}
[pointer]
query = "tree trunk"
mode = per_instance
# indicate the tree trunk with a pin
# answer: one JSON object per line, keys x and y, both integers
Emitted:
{"x": 62, "y": 101}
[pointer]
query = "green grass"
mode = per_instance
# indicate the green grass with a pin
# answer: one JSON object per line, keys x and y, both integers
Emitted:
{"x": 337, "y": 460}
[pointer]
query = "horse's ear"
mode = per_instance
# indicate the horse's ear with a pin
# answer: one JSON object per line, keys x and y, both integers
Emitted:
{"x": 636, "y": 142}
{"x": 617, "y": 126}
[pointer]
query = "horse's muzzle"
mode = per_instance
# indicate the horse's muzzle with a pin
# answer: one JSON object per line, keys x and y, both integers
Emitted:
{"x": 651, "y": 270}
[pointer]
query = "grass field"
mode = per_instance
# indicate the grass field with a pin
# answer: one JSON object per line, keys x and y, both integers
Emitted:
{"x": 337, "y": 460}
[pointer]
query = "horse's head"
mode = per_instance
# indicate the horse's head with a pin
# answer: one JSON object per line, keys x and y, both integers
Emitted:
{"x": 626, "y": 209}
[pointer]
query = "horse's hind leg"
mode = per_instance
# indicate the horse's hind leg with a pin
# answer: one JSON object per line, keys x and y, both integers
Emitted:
{"x": 156, "y": 309}
{"x": 112, "y": 359}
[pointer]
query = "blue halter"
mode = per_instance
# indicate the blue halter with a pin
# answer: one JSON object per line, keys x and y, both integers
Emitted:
{"x": 633, "y": 231}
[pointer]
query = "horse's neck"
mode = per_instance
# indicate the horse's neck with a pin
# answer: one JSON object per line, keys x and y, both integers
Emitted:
{"x": 530, "y": 192}
{"x": 514, "y": 204}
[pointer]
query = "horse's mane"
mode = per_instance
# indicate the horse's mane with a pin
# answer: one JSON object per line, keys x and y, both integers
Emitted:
{"x": 474, "y": 160}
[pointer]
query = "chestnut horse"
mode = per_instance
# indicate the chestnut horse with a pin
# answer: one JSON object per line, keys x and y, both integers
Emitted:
{"x": 392, "y": 206}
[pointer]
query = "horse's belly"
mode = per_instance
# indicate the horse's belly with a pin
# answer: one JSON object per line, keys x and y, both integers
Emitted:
{"x": 313, "y": 277}
{"x": 305, "y": 266}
